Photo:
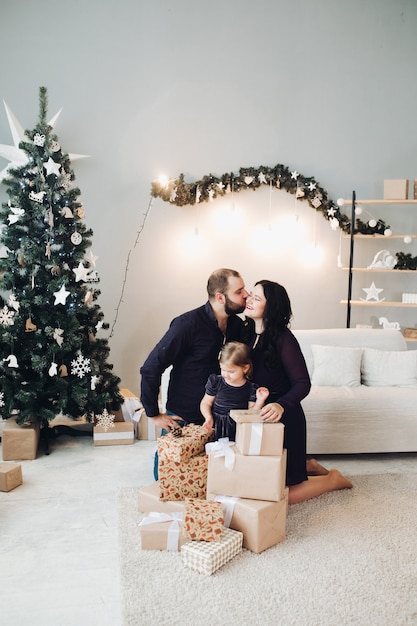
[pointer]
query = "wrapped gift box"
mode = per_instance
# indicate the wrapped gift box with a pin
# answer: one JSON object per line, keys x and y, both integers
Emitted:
{"x": 190, "y": 443}
{"x": 131, "y": 409}
{"x": 162, "y": 531}
{"x": 262, "y": 523}
{"x": 207, "y": 557}
{"x": 253, "y": 477}
{"x": 178, "y": 481}
{"x": 255, "y": 437}
{"x": 148, "y": 500}
{"x": 396, "y": 189}
{"x": 10, "y": 476}
{"x": 121, "y": 433}
{"x": 203, "y": 520}
{"x": 147, "y": 429}
{"x": 20, "y": 443}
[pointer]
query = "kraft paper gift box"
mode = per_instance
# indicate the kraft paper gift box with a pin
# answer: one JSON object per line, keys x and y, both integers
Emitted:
{"x": 10, "y": 476}
{"x": 253, "y": 477}
{"x": 190, "y": 443}
{"x": 206, "y": 557}
{"x": 255, "y": 437}
{"x": 148, "y": 500}
{"x": 262, "y": 523}
{"x": 178, "y": 481}
{"x": 203, "y": 520}
{"x": 121, "y": 433}
{"x": 396, "y": 189}
{"x": 20, "y": 443}
{"x": 162, "y": 531}
{"x": 147, "y": 429}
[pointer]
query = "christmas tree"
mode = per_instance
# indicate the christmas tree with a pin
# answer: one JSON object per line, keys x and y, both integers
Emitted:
{"x": 52, "y": 360}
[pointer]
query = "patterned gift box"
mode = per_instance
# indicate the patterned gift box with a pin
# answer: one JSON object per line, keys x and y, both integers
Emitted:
{"x": 255, "y": 437}
{"x": 262, "y": 523}
{"x": 253, "y": 477}
{"x": 203, "y": 520}
{"x": 148, "y": 500}
{"x": 10, "y": 476}
{"x": 162, "y": 531}
{"x": 178, "y": 481}
{"x": 206, "y": 557}
{"x": 120, "y": 433}
{"x": 191, "y": 443}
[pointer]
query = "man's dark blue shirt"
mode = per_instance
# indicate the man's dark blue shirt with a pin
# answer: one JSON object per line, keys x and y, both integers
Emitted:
{"x": 191, "y": 345}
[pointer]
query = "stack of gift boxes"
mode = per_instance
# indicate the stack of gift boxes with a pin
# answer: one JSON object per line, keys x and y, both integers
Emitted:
{"x": 213, "y": 498}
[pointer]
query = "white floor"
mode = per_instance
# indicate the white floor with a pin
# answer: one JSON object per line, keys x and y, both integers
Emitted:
{"x": 58, "y": 530}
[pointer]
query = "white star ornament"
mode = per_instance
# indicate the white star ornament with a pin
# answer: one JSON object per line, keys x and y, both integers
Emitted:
{"x": 372, "y": 293}
{"x": 61, "y": 295}
{"x": 81, "y": 272}
{"x": 52, "y": 167}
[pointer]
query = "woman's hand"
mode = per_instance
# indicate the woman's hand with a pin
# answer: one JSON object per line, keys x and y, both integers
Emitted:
{"x": 272, "y": 413}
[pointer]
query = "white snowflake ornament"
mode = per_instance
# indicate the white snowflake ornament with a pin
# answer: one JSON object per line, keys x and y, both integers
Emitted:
{"x": 80, "y": 366}
{"x": 105, "y": 420}
{"x": 6, "y": 316}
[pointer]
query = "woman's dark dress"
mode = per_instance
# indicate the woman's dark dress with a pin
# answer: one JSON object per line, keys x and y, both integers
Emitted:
{"x": 288, "y": 383}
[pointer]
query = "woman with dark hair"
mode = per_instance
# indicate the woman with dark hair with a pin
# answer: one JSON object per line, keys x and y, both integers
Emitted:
{"x": 279, "y": 365}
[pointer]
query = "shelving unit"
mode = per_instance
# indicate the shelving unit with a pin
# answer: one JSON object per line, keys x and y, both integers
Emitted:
{"x": 352, "y": 270}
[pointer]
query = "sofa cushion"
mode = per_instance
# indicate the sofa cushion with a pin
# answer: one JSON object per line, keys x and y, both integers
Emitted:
{"x": 381, "y": 368}
{"x": 336, "y": 367}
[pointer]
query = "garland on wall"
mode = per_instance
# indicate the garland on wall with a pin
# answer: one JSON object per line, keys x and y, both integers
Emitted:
{"x": 306, "y": 188}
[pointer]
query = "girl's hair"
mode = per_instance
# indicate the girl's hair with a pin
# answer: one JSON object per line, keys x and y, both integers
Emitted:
{"x": 276, "y": 318}
{"x": 238, "y": 354}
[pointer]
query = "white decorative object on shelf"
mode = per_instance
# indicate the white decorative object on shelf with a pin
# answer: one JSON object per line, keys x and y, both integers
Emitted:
{"x": 383, "y": 260}
{"x": 388, "y": 325}
{"x": 409, "y": 298}
{"x": 372, "y": 293}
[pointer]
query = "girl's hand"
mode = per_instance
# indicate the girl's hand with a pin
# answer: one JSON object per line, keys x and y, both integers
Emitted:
{"x": 272, "y": 413}
{"x": 262, "y": 393}
{"x": 208, "y": 425}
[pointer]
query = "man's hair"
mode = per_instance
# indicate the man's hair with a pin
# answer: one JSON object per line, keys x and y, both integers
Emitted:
{"x": 218, "y": 281}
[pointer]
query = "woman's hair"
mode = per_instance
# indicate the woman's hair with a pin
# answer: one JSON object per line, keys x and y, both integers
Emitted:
{"x": 238, "y": 354}
{"x": 276, "y": 318}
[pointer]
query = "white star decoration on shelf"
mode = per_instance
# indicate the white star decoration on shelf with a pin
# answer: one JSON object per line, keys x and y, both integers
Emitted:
{"x": 16, "y": 155}
{"x": 61, "y": 295}
{"x": 372, "y": 293}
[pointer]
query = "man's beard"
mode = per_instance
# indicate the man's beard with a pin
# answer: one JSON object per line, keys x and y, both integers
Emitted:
{"x": 231, "y": 308}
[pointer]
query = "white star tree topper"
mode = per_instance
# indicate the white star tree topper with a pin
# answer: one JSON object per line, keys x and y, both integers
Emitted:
{"x": 16, "y": 155}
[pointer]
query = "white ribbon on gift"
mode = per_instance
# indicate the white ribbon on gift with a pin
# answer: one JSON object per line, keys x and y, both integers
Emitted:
{"x": 222, "y": 447}
{"x": 256, "y": 438}
{"x": 173, "y": 529}
{"x": 228, "y": 506}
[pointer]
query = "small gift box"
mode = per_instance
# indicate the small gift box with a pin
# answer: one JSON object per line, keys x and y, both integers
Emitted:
{"x": 256, "y": 437}
{"x": 253, "y": 477}
{"x": 120, "y": 433}
{"x": 206, "y": 557}
{"x": 20, "y": 442}
{"x": 10, "y": 476}
{"x": 162, "y": 531}
{"x": 178, "y": 481}
{"x": 396, "y": 189}
{"x": 203, "y": 520}
{"x": 148, "y": 500}
{"x": 181, "y": 446}
{"x": 262, "y": 523}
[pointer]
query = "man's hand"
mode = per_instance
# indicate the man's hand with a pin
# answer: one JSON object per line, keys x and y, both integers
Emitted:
{"x": 166, "y": 421}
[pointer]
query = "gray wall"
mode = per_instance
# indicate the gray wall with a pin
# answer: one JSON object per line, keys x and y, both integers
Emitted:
{"x": 326, "y": 87}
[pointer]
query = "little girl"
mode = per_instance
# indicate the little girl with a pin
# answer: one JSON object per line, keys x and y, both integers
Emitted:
{"x": 231, "y": 389}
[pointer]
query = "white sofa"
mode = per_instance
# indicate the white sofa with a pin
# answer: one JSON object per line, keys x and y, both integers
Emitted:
{"x": 346, "y": 416}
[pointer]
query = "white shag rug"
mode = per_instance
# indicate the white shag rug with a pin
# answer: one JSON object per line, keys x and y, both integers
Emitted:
{"x": 349, "y": 558}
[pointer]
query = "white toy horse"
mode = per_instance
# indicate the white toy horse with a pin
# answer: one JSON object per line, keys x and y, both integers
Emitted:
{"x": 386, "y": 324}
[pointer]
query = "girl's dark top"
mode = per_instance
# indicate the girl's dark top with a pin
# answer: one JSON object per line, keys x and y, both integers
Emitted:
{"x": 227, "y": 398}
{"x": 288, "y": 382}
